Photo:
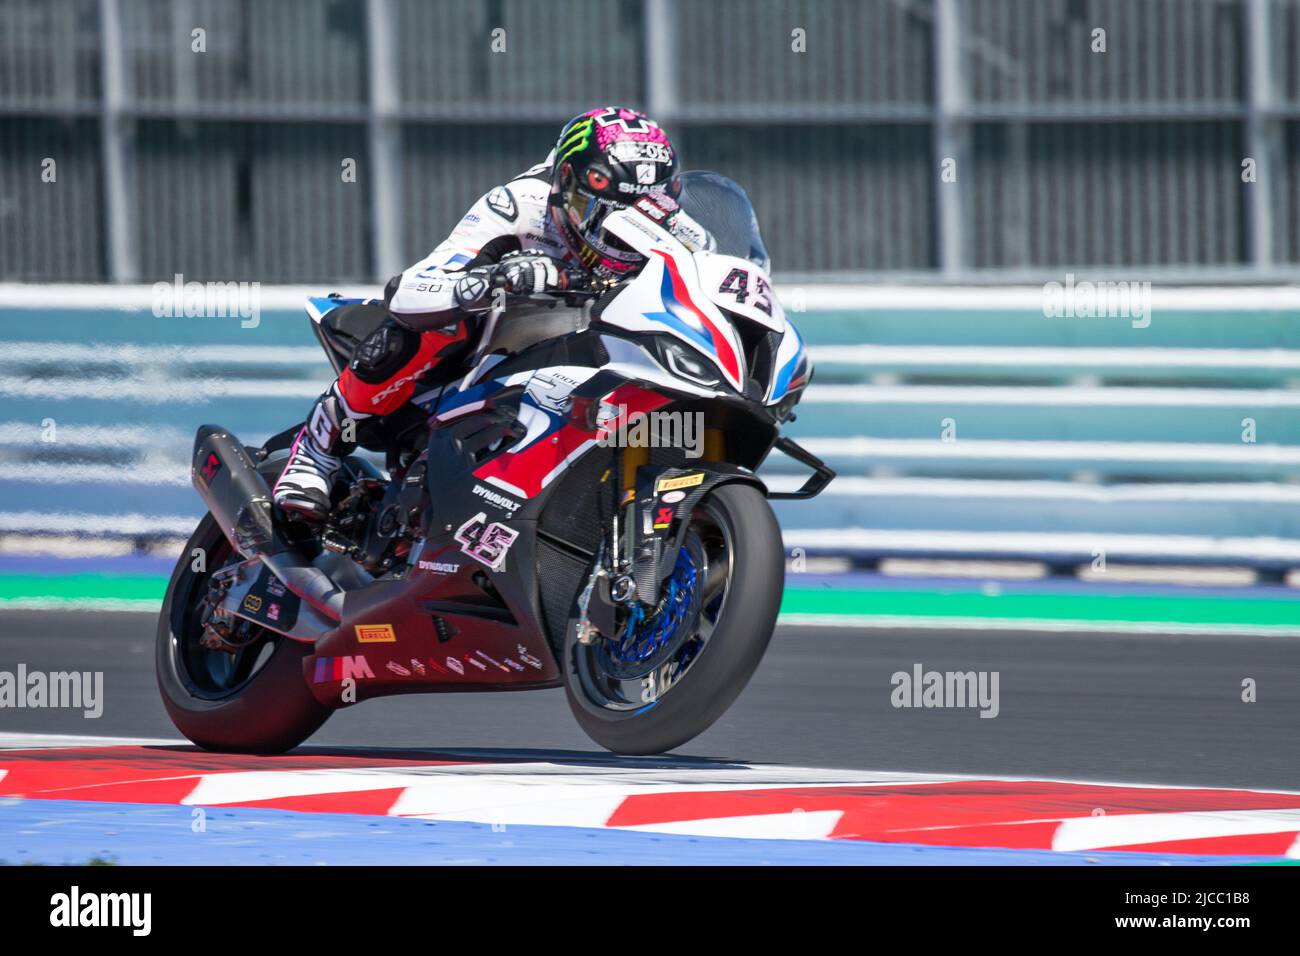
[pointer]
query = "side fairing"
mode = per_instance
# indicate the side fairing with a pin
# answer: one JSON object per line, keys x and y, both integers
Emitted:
{"x": 550, "y": 441}
{"x": 793, "y": 366}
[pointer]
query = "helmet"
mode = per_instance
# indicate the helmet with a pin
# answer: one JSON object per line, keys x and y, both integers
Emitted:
{"x": 604, "y": 159}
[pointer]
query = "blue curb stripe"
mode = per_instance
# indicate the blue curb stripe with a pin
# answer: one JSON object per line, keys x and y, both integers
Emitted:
{"x": 74, "y": 831}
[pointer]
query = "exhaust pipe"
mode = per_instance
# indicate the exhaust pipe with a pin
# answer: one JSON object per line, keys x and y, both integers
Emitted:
{"x": 228, "y": 481}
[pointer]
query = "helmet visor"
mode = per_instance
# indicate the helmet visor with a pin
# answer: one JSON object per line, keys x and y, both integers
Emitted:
{"x": 585, "y": 212}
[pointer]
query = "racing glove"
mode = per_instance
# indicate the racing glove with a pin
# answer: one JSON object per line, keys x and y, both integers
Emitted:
{"x": 518, "y": 273}
{"x": 529, "y": 273}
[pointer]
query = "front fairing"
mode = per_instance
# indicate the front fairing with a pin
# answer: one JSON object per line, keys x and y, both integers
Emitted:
{"x": 721, "y": 306}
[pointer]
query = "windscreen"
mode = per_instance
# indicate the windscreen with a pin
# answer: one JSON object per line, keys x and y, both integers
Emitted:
{"x": 721, "y": 206}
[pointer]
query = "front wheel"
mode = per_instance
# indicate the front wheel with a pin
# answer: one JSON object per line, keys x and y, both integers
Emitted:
{"x": 668, "y": 677}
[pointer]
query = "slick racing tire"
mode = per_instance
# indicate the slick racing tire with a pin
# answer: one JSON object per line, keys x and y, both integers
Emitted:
{"x": 733, "y": 548}
{"x": 222, "y": 702}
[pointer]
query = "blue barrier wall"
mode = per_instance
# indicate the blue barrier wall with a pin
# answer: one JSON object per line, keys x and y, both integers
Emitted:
{"x": 955, "y": 430}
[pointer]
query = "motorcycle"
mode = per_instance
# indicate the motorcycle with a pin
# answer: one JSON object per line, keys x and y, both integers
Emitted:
{"x": 579, "y": 509}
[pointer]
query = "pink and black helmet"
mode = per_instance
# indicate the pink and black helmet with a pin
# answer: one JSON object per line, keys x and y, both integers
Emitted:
{"x": 604, "y": 159}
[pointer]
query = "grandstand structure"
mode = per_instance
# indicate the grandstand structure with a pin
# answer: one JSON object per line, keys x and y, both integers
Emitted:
{"x": 952, "y": 140}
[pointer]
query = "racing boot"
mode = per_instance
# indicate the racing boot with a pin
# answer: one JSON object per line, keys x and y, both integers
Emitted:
{"x": 303, "y": 490}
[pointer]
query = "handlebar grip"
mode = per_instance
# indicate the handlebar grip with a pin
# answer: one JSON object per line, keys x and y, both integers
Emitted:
{"x": 574, "y": 280}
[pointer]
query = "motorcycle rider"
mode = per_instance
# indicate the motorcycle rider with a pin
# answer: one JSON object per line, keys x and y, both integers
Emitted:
{"x": 522, "y": 236}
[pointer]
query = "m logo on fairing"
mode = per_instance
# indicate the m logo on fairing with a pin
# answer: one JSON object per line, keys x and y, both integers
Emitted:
{"x": 349, "y": 667}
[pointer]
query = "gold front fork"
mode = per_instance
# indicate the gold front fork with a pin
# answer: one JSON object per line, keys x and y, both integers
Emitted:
{"x": 633, "y": 458}
{"x": 715, "y": 445}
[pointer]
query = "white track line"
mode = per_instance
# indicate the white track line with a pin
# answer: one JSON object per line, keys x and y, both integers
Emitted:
{"x": 137, "y": 297}
{"x": 25, "y": 741}
{"x": 865, "y": 446}
{"x": 87, "y": 523}
{"x": 166, "y": 356}
{"x": 96, "y": 605}
{"x": 905, "y": 541}
{"x": 1030, "y": 297}
{"x": 1074, "y": 357}
{"x": 856, "y": 486}
{"x": 1096, "y": 396}
{"x": 1037, "y": 625}
{"x": 49, "y": 473}
{"x": 160, "y": 391}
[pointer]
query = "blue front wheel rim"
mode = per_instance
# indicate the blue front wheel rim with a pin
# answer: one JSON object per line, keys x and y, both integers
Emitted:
{"x": 710, "y": 542}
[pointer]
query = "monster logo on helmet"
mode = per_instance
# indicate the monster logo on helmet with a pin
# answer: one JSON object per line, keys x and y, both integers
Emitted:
{"x": 604, "y": 159}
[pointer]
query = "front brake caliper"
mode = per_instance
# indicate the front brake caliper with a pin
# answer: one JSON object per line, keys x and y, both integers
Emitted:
{"x": 662, "y": 501}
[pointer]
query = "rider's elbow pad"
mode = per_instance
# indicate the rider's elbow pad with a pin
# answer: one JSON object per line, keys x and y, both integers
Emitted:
{"x": 473, "y": 292}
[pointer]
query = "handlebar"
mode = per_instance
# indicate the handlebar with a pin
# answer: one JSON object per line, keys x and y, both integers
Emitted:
{"x": 582, "y": 283}
{"x": 575, "y": 283}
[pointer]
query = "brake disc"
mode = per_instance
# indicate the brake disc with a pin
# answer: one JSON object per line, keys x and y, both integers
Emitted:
{"x": 650, "y": 640}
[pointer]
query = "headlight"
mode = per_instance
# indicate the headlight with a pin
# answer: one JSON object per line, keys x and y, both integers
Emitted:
{"x": 690, "y": 365}
{"x": 784, "y": 409}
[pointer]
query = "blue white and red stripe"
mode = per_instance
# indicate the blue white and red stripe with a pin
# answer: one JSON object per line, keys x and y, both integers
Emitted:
{"x": 729, "y": 812}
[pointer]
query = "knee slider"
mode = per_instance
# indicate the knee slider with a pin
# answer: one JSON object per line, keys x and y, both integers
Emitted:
{"x": 384, "y": 352}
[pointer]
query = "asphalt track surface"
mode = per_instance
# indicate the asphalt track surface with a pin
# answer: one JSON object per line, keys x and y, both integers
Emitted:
{"x": 1149, "y": 709}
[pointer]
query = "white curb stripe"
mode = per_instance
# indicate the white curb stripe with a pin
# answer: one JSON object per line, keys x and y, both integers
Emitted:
{"x": 1127, "y": 829}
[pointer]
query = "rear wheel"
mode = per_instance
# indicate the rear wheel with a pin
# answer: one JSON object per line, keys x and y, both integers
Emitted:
{"x": 669, "y": 676}
{"x": 248, "y": 698}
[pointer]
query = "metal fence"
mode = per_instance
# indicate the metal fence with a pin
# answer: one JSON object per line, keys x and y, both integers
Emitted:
{"x": 930, "y": 139}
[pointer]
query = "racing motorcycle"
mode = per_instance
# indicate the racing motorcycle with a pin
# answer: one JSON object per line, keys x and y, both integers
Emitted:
{"x": 579, "y": 509}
